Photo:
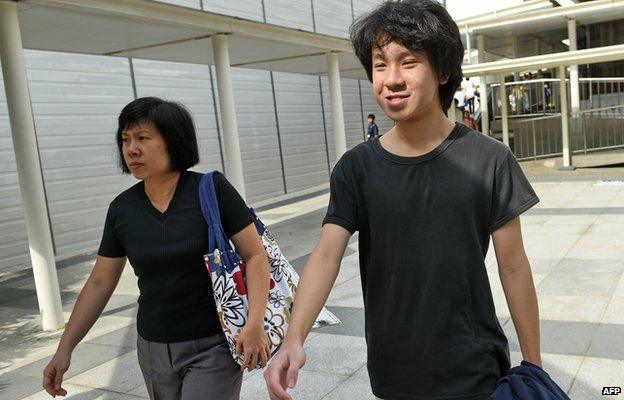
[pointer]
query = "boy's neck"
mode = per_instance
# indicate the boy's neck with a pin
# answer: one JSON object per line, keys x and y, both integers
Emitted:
{"x": 418, "y": 136}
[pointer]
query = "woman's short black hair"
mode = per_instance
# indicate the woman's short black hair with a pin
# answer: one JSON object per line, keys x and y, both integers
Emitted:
{"x": 419, "y": 25}
{"x": 174, "y": 123}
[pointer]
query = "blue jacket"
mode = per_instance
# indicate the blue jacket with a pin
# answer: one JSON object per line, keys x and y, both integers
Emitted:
{"x": 372, "y": 132}
{"x": 528, "y": 382}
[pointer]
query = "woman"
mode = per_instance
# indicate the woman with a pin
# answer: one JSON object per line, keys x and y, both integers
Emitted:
{"x": 469, "y": 121}
{"x": 158, "y": 226}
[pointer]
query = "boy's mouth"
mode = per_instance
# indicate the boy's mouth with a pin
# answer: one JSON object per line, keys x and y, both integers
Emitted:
{"x": 395, "y": 99}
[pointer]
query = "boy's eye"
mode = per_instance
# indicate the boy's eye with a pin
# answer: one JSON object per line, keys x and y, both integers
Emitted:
{"x": 410, "y": 62}
{"x": 379, "y": 65}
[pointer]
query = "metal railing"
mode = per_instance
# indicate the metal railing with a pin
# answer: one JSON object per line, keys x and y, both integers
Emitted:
{"x": 541, "y": 96}
{"x": 590, "y": 130}
{"x": 530, "y": 97}
{"x": 601, "y": 92}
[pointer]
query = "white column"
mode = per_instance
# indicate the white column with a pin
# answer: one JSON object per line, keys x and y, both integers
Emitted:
{"x": 565, "y": 129}
{"x": 504, "y": 105}
{"x": 514, "y": 54}
{"x": 233, "y": 162}
{"x": 29, "y": 168}
{"x": 537, "y": 46}
{"x": 468, "y": 45}
{"x": 483, "y": 101}
{"x": 575, "y": 99}
{"x": 333, "y": 72}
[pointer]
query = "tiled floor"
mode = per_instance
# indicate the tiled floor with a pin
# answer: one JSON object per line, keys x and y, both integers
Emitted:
{"x": 574, "y": 239}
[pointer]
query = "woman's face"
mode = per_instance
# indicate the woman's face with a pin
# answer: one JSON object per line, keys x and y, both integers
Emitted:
{"x": 145, "y": 151}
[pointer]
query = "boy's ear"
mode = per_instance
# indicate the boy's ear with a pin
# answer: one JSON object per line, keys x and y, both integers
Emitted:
{"x": 442, "y": 79}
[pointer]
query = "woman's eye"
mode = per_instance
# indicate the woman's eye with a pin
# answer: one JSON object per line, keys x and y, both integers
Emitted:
{"x": 125, "y": 140}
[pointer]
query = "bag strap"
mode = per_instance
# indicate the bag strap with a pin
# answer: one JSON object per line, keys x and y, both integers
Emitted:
{"x": 217, "y": 239}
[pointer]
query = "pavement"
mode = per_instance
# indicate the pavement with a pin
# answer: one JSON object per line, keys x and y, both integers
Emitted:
{"x": 574, "y": 239}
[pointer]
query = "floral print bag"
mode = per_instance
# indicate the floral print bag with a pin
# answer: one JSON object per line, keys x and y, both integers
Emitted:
{"x": 227, "y": 273}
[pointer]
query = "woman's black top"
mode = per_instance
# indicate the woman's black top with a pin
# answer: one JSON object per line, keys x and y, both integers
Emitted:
{"x": 166, "y": 252}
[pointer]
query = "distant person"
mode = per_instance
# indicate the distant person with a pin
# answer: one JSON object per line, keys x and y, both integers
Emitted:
{"x": 460, "y": 99}
{"x": 469, "y": 92}
{"x": 469, "y": 121}
{"x": 373, "y": 130}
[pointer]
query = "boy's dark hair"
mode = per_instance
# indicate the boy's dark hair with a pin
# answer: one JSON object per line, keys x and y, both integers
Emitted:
{"x": 419, "y": 25}
{"x": 371, "y": 116}
{"x": 174, "y": 123}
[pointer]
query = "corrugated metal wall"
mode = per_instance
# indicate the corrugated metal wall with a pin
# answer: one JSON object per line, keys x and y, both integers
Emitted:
{"x": 184, "y": 3}
{"x": 333, "y": 17}
{"x": 303, "y": 138}
{"x": 248, "y": 9}
{"x": 75, "y": 102}
{"x": 257, "y": 130}
{"x": 77, "y": 98}
{"x": 362, "y": 6}
{"x": 291, "y": 13}
{"x": 190, "y": 85}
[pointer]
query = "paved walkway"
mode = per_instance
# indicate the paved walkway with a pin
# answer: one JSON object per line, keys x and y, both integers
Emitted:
{"x": 574, "y": 239}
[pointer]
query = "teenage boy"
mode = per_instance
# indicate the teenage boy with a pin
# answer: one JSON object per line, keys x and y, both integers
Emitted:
{"x": 425, "y": 199}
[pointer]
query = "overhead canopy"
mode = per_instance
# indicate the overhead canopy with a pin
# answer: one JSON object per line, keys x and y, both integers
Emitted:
{"x": 590, "y": 12}
{"x": 587, "y": 56}
{"x": 547, "y": 25}
{"x": 159, "y": 31}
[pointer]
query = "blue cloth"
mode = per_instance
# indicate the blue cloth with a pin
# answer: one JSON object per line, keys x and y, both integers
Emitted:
{"x": 528, "y": 382}
{"x": 373, "y": 131}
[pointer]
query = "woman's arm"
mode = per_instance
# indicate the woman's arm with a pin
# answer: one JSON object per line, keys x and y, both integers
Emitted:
{"x": 252, "y": 341}
{"x": 91, "y": 301}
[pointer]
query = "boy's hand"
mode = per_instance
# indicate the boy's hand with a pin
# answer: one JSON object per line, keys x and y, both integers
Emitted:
{"x": 53, "y": 374}
{"x": 283, "y": 370}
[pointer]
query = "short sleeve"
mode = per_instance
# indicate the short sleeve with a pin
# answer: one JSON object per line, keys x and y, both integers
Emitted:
{"x": 110, "y": 246}
{"x": 235, "y": 214}
{"x": 342, "y": 209}
{"x": 512, "y": 193}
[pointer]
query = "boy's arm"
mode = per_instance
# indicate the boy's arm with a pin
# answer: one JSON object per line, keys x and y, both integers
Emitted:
{"x": 316, "y": 282}
{"x": 517, "y": 280}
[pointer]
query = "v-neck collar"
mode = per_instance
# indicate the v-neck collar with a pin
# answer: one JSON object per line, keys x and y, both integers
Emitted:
{"x": 153, "y": 211}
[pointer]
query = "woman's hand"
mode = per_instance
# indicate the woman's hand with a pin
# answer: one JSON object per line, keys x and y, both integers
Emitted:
{"x": 91, "y": 301}
{"x": 253, "y": 344}
{"x": 53, "y": 374}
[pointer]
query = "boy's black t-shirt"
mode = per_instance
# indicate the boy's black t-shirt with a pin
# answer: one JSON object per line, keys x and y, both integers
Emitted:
{"x": 166, "y": 252}
{"x": 424, "y": 228}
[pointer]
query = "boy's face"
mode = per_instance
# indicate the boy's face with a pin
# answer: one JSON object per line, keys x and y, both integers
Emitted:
{"x": 405, "y": 84}
{"x": 370, "y": 121}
